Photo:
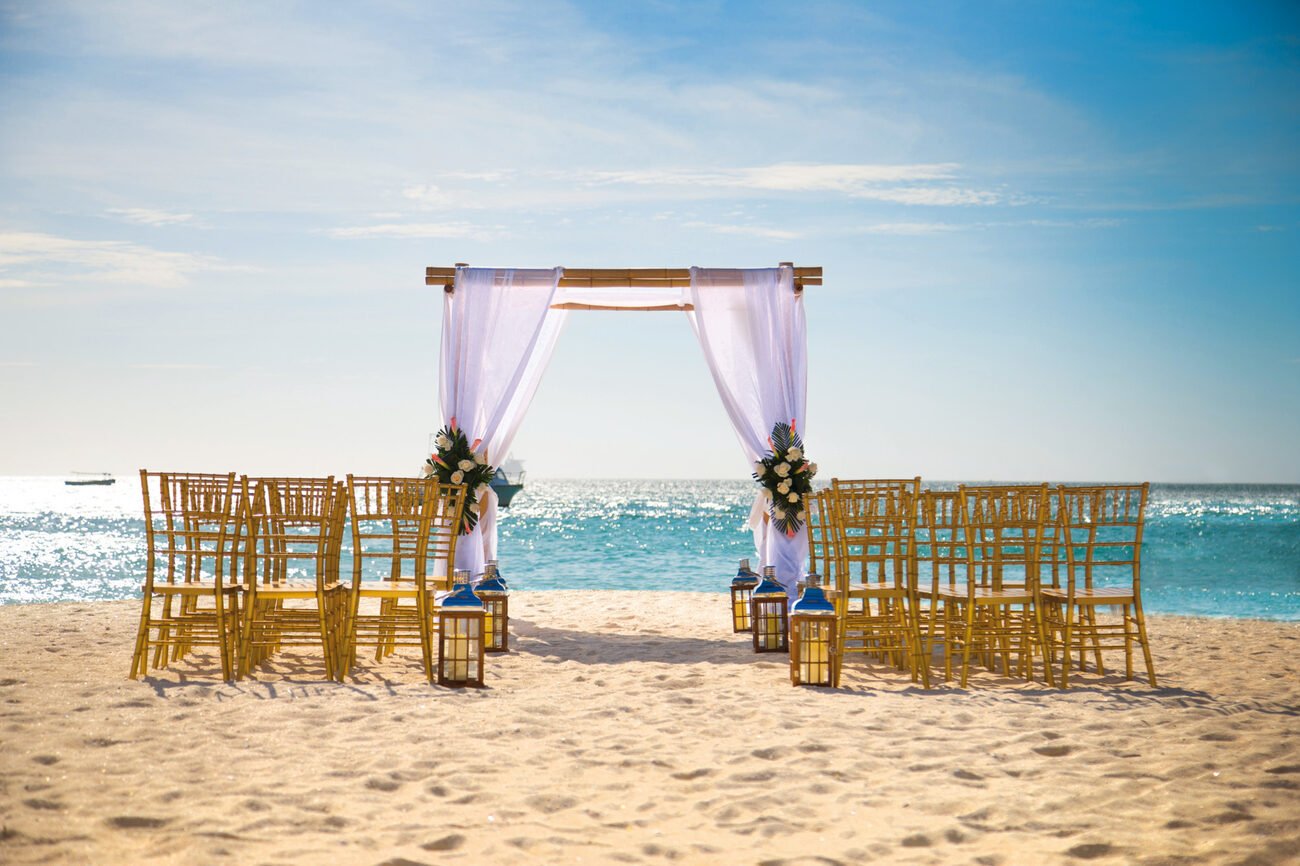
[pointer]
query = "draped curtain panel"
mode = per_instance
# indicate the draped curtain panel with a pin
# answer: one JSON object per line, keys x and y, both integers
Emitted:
{"x": 750, "y": 324}
{"x": 498, "y": 333}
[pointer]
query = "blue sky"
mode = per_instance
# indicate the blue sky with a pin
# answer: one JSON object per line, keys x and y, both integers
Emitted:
{"x": 1060, "y": 240}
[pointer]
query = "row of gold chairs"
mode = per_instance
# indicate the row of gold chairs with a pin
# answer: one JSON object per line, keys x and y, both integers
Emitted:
{"x": 252, "y": 565}
{"x": 1003, "y": 575}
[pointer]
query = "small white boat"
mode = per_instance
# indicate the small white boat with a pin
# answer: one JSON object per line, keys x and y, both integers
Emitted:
{"x": 89, "y": 479}
{"x": 508, "y": 481}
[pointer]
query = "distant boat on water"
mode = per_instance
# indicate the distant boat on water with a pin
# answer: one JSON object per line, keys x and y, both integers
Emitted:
{"x": 508, "y": 481}
{"x": 88, "y": 479}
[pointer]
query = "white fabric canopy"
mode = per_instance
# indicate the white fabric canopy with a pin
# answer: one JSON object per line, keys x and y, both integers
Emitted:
{"x": 498, "y": 333}
{"x": 751, "y": 326}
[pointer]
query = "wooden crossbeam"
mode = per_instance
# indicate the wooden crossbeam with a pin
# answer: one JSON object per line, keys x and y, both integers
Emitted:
{"x": 620, "y": 278}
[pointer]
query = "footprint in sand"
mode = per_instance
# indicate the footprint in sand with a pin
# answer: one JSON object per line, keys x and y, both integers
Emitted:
{"x": 1054, "y": 751}
{"x": 135, "y": 822}
{"x": 549, "y": 804}
{"x": 446, "y": 843}
{"x": 1091, "y": 851}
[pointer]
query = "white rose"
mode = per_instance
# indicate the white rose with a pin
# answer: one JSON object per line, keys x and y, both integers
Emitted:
{"x": 793, "y": 497}
{"x": 812, "y": 469}
{"x": 480, "y": 457}
{"x": 442, "y": 442}
{"x": 426, "y": 469}
{"x": 759, "y": 469}
{"x": 457, "y": 477}
{"x": 473, "y": 506}
{"x": 466, "y": 465}
{"x": 783, "y": 487}
{"x": 781, "y": 469}
{"x": 480, "y": 491}
{"x": 801, "y": 516}
{"x": 793, "y": 454}
{"x": 767, "y": 494}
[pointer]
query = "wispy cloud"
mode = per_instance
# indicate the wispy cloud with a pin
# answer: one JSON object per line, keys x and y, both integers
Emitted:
{"x": 755, "y": 231}
{"x": 415, "y": 230}
{"x": 17, "y": 363}
{"x": 919, "y": 228}
{"x": 150, "y": 217}
{"x": 173, "y": 366}
{"x": 909, "y": 184}
{"x": 33, "y": 259}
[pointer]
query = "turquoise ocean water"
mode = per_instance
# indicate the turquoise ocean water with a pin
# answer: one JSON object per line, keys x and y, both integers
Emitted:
{"x": 1210, "y": 549}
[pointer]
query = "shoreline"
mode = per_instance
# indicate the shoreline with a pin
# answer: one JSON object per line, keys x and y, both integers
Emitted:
{"x": 632, "y": 726}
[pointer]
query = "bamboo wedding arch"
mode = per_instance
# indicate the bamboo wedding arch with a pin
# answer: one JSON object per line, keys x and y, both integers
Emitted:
{"x": 622, "y": 278}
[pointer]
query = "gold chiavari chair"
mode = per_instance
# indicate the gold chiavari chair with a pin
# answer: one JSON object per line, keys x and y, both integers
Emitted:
{"x": 409, "y": 526}
{"x": 192, "y": 531}
{"x": 940, "y": 562}
{"x": 293, "y": 593}
{"x": 873, "y": 525}
{"x": 1100, "y": 538}
{"x": 998, "y": 611}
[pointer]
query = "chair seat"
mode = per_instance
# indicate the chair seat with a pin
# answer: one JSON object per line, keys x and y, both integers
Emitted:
{"x": 875, "y": 589}
{"x": 987, "y": 595}
{"x": 196, "y": 588}
{"x": 292, "y": 589}
{"x": 1096, "y": 595}
{"x": 394, "y": 589}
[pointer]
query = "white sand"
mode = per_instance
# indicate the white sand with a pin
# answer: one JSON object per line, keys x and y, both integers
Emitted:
{"x": 635, "y": 728}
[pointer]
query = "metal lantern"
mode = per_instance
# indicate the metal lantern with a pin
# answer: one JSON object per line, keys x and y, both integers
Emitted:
{"x": 491, "y": 590}
{"x": 460, "y": 636}
{"x": 813, "y": 625}
{"x": 770, "y": 614}
{"x": 742, "y": 588}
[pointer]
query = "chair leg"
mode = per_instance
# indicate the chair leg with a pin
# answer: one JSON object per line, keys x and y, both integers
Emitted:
{"x": 140, "y": 660}
{"x": 1142, "y": 638}
{"x": 1066, "y": 634}
{"x": 965, "y": 644}
{"x": 1042, "y": 643}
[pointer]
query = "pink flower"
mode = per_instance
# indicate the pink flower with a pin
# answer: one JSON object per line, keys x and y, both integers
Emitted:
{"x": 452, "y": 425}
{"x": 477, "y": 442}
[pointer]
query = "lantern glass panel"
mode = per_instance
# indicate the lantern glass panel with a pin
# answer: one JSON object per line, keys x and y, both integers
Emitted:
{"x": 740, "y": 601}
{"x": 813, "y": 650}
{"x": 770, "y": 625}
{"x": 496, "y": 622}
{"x": 462, "y": 638}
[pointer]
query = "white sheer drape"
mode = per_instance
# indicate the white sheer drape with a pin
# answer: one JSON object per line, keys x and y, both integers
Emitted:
{"x": 498, "y": 333}
{"x": 751, "y": 326}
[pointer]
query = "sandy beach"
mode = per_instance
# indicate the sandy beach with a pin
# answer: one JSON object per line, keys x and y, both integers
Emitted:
{"x": 634, "y": 727}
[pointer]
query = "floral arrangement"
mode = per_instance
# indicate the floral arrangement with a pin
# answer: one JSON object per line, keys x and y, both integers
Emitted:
{"x": 786, "y": 476}
{"x": 458, "y": 462}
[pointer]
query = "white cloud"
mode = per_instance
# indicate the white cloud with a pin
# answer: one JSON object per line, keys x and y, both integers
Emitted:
{"x": 909, "y": 184}
{"x": 17, "y": 363}
{"x": 173, "y": 366}
{"x": 918, "y": 228}
{"x": 36, "y": 259}
{"x": 426, "y": 195}
{"x": 757, "y": 231}
{"x": 149, "y": 216}
{"x": 414, "y": 230}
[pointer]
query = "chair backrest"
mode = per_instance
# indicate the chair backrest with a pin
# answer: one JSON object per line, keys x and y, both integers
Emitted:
{"x": 821, "y": 535}
{"x": 445, "y": 524}
{"x": 192, "y": 526}
{"x": 297, "y": 526}
{"x": 1003, "y": 527}
{"x": 941, "y": 556}
{"x": 390, "y": 524}
{"x": 1100, "y": 529}
{"x": 874, "y": 530}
